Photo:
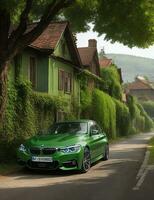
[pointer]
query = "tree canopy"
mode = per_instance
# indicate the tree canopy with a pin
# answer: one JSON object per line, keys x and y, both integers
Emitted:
{"x": 130, "y": 22}
{"x": 126, "y": 21}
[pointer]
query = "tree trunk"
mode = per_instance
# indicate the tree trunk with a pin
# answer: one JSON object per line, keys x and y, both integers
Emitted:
{"x": 3, "y": 88}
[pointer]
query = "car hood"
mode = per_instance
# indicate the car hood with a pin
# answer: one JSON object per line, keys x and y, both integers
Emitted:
{"x": 59, "y": 140}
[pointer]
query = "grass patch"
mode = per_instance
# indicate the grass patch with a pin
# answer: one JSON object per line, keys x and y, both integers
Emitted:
{"x": 151, "y": 149}
{"x": 8, "y": 168}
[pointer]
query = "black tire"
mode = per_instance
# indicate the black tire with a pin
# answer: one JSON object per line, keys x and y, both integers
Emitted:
{"x": 106, "y": 153}
{"x": 86, "y": 163}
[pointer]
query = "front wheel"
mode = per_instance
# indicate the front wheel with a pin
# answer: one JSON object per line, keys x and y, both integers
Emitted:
{"x": 86, "y": 163}
{"x": 106, "y": 152}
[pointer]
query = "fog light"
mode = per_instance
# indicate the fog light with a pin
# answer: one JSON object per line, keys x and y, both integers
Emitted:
{"x": 74, "y": 162}
{"x": 71, "y": 163}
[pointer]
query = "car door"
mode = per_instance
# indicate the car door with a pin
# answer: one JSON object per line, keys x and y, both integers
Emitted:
{"x": 101, "y": 142}
{"x": 95, "y": 141}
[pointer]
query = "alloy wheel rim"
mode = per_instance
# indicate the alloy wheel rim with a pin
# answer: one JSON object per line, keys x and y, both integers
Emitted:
{"x": 86, "y": 161}
{"x": 107, "y": 152}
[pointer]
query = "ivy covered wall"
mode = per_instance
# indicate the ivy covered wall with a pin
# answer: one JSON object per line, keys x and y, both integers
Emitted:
{"x": 27, "y": 113}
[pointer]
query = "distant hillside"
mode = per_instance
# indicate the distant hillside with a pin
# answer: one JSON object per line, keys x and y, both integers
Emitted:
{"x": 132, "y": 66}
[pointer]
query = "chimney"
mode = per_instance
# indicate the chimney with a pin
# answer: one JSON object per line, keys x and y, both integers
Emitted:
{"x": 92, "y": 43}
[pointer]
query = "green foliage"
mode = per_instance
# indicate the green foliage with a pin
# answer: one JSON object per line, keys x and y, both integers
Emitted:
{"x": 139, "y": 118}
{"x": 151, "y": 149}
{"x": 137, "y": 121}
{"x": 108, "y": 17}
{"x": 10, "y": 114}
{"x": 122, "y": 118}
{"x": 25, "y": 117}
{"x": 111, "y": 83}
{"x": 139, "y": 18}
{"x": 148, "y": 121}
{"x": 45, "y": 107}
{"x": 26, "y": 114}
{"x": 104, "y": 112}
{"x": 131, "y": 106}
{"x": 86, "y": 103}
{"x": 132, "y": 65}
{"x": 149, "y": 108}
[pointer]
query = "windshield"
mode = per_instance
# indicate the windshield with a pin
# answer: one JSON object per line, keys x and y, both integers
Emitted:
{"x": 69, "y": 128}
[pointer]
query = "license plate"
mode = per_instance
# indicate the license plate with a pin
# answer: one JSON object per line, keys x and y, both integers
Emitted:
{"x": 41, "y": 159}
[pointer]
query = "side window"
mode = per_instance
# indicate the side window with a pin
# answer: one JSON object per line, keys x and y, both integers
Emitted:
{"x": 64, "y": 81}
{"x": 94, "y": 130}
{"x": 98, "y": 128}
{"x": 68, "y": 80}
{"x": 32, "y": 71}
{"x": 61, "y": 80}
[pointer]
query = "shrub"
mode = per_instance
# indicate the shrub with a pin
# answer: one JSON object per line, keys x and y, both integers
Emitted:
{"x": 26, "y": 113}
{"x": 86, "y": 103}
{"x": 122, "y": 118}
{"x": 149, "y": 107}
{"x": 139, "y": 118}
{"x": 104, "y": 112}
{"x": 111, "y": 83}
{"x": 25, "y": 116}
{"x": 9, "y": 120}
{"x": 148, "y": 125}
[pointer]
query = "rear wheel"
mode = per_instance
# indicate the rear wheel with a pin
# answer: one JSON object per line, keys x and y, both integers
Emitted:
{"x": 86, "y": 163}
{"x": 106, "y": 152}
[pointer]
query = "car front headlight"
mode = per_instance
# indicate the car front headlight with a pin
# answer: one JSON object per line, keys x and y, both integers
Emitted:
{"x": 71, "y": 149}
{"x": 22, "y": 148}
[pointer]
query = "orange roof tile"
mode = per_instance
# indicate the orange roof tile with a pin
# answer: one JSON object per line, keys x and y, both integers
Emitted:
{"x": 105, "y": 62}
{"x": 50, "y": 36}
{"x": 87, "y": 54}
{"x": 139, "y": 85}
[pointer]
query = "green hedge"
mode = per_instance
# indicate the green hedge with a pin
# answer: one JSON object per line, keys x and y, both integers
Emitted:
{"x": 104, "y": 112}
{"x": 86, "y": 103}
{"x": 122, "y": 118}
{"x": 149, "y": 107}
{"x": 111, "y": 83}
{"x": 148, "y": 125}
{"x": 26, "y": 113}
{"x": 139, "y": 118}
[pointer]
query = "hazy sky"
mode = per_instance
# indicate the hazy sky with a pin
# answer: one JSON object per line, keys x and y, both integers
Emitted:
{"x": 82, "y": 41}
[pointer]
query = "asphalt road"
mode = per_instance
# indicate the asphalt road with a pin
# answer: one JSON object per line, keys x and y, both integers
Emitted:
{"x": 111, "y": 180}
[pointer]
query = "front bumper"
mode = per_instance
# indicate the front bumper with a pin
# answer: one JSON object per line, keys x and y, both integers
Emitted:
{"x": 69, "y": 161}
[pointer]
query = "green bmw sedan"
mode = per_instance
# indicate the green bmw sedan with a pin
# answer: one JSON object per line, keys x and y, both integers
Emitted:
{"x": 70, "y": 145}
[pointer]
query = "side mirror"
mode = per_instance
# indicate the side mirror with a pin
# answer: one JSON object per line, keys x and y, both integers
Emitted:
{"x": 94, "y": 132}
{"x": 104, "y": 135}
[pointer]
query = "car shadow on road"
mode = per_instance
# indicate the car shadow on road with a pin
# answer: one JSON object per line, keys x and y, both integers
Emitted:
{"x": 105, "y": 180}
{"x": 118, "y": 157}
{"x": 112, "y": 179}
{"x": 35, "y": 173}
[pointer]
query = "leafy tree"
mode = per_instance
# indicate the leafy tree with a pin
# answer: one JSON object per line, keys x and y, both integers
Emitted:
{"x": 20, "y": 13}
{"x": 126, "y": 21}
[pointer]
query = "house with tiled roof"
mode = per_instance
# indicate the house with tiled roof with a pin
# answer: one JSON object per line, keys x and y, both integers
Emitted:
{"x": 51, "y": 63}
{"x": 105, "y": 62}
{"x": 141, "y": 88}
{"x": 90, "y": 61}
